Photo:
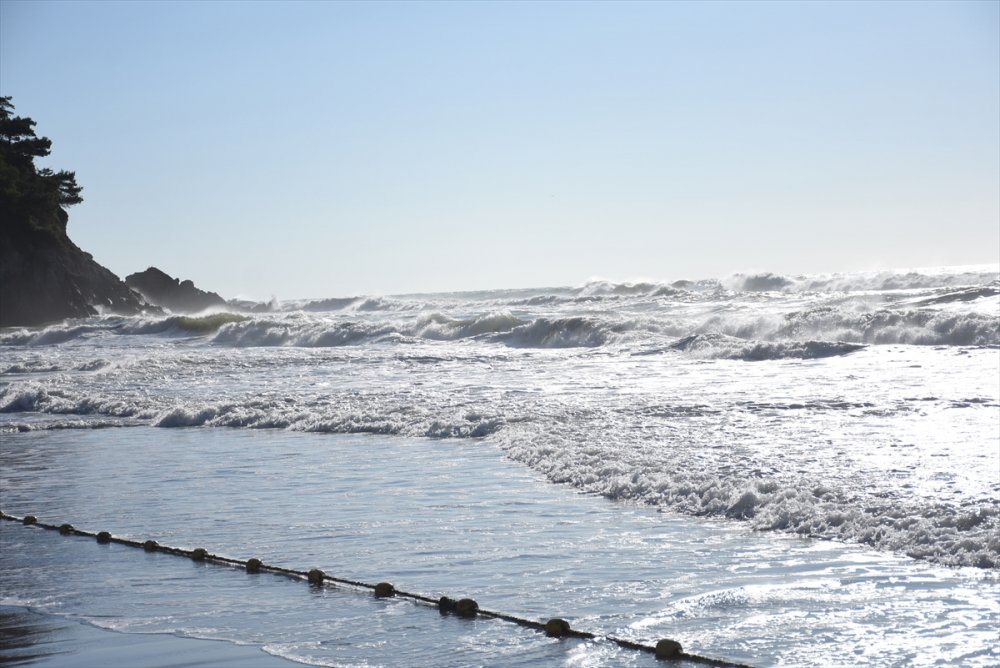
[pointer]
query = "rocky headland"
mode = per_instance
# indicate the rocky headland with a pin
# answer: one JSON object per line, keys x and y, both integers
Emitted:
{"x": 44, "y": 276}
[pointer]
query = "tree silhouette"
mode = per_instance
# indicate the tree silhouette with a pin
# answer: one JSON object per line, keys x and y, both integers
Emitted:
{"x": 25, "y": 189}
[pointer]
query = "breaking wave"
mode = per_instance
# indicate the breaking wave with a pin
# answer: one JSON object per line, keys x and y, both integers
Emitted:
{"x": 966, "y": 534}
{"x": 310, "y": 334}
{"x": 816, "y": 332}
{"x": 183, "y": 325}
{"x": 566, "y": 333}
{"x": 48, "y": 336}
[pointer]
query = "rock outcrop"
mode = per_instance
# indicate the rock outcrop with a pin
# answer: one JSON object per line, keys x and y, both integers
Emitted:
{"x": 161, "y": 289}
{"x": 45, "y": 277}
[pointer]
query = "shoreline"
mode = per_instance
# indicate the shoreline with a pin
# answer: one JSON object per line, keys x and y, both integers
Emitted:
{"x": 30, "y": 637}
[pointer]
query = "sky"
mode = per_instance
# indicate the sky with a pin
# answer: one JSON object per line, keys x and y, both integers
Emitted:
{"x": 321, "y": 149}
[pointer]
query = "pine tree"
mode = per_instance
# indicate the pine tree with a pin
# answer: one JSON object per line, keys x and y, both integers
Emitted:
{"x": 25, "y": 189}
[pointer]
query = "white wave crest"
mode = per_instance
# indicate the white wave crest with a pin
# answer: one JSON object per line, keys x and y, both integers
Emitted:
{"x": 49, "y": 336}
{"x": 720, "y": 346}
{"x": 442, "y": 328}
{"x": 33, "y": 398}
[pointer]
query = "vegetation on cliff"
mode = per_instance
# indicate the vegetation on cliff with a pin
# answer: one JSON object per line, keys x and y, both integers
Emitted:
{"x": 25, "y": 189}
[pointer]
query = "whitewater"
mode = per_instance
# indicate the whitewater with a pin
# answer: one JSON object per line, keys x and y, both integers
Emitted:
{"x": 840, "y": 433}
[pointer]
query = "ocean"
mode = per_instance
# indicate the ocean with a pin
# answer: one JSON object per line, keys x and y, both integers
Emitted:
{"x": 773, "y": 470}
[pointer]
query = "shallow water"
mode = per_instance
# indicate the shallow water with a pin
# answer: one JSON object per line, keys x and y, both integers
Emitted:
{"x": 447, "y": 517}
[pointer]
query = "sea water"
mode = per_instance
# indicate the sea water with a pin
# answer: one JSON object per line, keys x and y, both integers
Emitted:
{"x": 775, "y": 470}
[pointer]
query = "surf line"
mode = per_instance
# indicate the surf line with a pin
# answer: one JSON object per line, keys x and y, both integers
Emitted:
{"x": 556, "y": 627}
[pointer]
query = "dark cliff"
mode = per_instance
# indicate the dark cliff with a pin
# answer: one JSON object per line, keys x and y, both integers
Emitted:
{"x": 45, "y": 277}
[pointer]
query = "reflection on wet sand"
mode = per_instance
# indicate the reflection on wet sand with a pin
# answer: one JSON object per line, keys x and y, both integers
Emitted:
{"x": 27, "y": 637}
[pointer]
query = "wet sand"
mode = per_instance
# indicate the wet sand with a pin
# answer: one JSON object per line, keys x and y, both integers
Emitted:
{"x": 29, "y": 638}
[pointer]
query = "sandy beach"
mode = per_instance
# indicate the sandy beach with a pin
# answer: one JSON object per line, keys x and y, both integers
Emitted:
{"x": 31, "y": 638}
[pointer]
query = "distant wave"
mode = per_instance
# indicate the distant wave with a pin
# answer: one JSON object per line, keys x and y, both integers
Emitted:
{"x": 880, "y": 281}
{"x": 762, "y": 282}
{"x": 960, "y": 295}
{"x": 597, "y": 289}
{"x": 894, "y": 280}
{"x": 353, "y": 304}
{"x": 333, "y": 304}
{"x": 719, "y": 346}
{"x": 610, "y": 288}
{"x": 882, "y": 326}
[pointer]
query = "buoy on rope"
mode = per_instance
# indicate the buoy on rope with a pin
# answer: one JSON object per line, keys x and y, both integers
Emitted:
{"x": 466, "y": 607}
{"x": 665, "y": 649}
{"x": 668, "y": 649}
{"x": 556, "y": 628}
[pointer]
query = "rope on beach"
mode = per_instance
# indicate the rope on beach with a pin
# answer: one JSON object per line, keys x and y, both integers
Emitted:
{"x": 556, "y": 627}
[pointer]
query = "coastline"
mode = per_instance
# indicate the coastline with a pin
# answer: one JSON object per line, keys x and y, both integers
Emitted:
{"x": 28, "y": 637}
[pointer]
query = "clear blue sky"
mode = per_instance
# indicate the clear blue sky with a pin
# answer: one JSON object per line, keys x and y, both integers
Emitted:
{"x": 320, "y": 149}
